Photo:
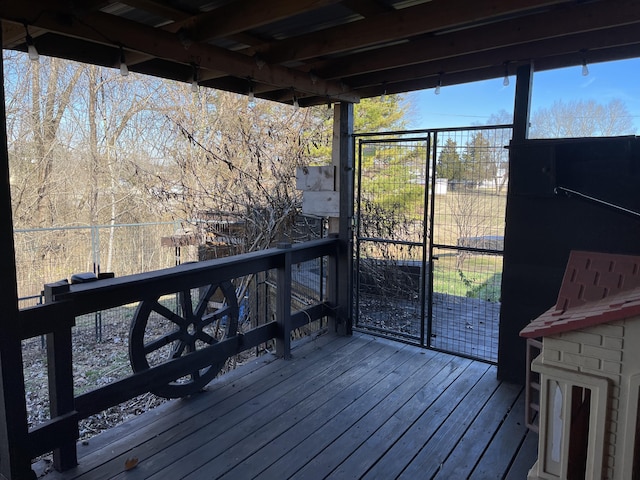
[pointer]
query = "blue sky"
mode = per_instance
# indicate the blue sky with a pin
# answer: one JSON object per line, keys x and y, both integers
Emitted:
{"x": 464, "y": 105}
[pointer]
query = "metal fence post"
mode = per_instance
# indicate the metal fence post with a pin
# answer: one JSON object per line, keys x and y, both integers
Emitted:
{"x": 95, "y": 248}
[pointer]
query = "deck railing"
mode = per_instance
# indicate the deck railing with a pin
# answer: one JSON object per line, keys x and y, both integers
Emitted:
{"x": 64, "y": 302}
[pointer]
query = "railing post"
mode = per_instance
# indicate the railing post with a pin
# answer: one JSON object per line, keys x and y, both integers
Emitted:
{"x": 343, "y": 159}
{"x": 14, "y": 457}
{"x": 283, "y": 303}
{"x": 60, "y": 369}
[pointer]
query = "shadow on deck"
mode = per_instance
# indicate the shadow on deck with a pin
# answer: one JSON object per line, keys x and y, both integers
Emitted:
{"x": 342, "y": 407}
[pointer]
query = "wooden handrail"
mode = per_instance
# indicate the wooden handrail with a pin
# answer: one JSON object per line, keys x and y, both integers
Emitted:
{"x": 100, "y": 295}
{"x": 64, "y": 302}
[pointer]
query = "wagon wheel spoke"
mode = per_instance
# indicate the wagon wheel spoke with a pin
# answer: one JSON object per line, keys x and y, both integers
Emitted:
{"x": 161, "y": 342}
{"x": 178, "y": 349}
{"x": 186, "y": 304}
{"x": 206, "y": 338}
{"x": 216, "y": 315}
{"x": 204, "y": 301}
{"x": 167, "y": 313}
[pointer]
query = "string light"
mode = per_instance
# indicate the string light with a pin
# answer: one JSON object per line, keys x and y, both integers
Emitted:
{"x": 438, "y": 86}
{"x": 505, "y": 81}
{"x": 296, "y": 105}
{"x": 124, "y": 70}
{"x": 585, "y": 68}
{"x": 194, "y": 79}
{"x": 252, "y": 96}
{"x": 34, "y": 56}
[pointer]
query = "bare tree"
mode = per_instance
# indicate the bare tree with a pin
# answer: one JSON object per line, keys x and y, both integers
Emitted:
{"x": 582, "y": 118}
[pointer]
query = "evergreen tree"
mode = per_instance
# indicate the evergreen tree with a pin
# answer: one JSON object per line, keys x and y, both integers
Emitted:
{"x": 449, "y": 164}
{"x": 476, "y": 160}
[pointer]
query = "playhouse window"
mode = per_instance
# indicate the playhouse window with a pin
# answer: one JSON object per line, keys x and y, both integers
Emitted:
{"x": 573, "y": 423}
{"x": 579, "y": 432}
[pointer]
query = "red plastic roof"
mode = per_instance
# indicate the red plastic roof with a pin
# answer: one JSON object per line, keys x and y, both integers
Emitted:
{"x": 597, "y": 288}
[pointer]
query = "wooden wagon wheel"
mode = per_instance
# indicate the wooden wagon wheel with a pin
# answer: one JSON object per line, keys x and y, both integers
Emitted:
{"x": 159, "y": 334}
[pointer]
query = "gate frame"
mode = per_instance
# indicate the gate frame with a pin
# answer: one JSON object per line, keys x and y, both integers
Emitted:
{"x": 427, "y": 270}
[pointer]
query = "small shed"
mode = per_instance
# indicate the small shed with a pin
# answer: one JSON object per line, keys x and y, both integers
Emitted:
{"x": 590, "y": 371}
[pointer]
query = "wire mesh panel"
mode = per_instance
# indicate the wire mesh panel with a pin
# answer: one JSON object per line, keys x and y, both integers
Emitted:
{"x": 466, "y": 303}
{"x": 390, "y": 283}
{"x": 471, "y": 188}
{"x": 429, "y": 237}
{"x": 51, "y": 254}
{"x": 391, "y": 231}
{"x": 471, "y": 171}
{"x": 134, "y": 248}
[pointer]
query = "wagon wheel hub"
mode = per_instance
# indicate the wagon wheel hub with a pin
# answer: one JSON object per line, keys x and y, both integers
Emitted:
{"x": 162, "y": 330}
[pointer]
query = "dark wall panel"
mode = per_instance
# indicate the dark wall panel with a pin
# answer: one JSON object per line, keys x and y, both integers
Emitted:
{"x": 543, "y": 227}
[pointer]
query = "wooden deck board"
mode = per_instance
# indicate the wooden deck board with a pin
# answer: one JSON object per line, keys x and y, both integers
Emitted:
{"x": 280, "y": 419}
{"x": 473, "y": 443}
{"x": 354, "y": 407}
{"x": 207, "y": 434}
{"x": 439, "y": 446}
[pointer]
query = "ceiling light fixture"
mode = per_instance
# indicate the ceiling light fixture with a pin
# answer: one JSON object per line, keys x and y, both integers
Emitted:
{"x": 252, "y": 96}
{"x": 34, "y": 56}
{"x": 124, "y": 70}
{"x": 194, "y": 79}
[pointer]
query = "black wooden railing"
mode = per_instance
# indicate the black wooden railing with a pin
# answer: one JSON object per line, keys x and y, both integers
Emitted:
{"x": 64, "y": 302}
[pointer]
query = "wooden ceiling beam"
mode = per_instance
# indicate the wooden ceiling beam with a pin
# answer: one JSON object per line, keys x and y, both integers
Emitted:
{"x": 158, "y": 8}
{"x": 239, "y": 17}
{"x": 114, "y": 31}
{"x": 579, "y": 47}
{"x": 562, "y": 22}
{"x": 486, "y": 73}
{"x": 367, "y": 8}
{"x": 389, "y": 27}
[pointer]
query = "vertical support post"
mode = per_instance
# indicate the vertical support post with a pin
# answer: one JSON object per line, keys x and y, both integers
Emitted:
{"x": 283, "y": 303}
{"x": 15, "y": 462}
{"x": 511, "y": 348}
{"x": 522, "y": 106}
{"x": 60, "y": 373}
{"x": 341, "y": 275}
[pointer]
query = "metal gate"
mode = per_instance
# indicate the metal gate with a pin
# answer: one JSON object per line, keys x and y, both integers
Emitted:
{"x": 430, "y": 212}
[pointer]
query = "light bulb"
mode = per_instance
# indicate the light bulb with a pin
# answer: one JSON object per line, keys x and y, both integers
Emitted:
{"x": 505, "y": 82}
{"x": 194, "y": 78}
{"x": 124, "y": 70}
{"x": 33, "y": 53}
{"x": 437, "y": 90}
{"x": 383, "y": 98}
{"x": 296, "y": 105}
{"x": 585, "y": 68}
{"x": 252, "y": 97}
{"x": 31, "y": 49}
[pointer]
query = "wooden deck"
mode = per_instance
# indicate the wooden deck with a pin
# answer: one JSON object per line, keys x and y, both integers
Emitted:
{"x": 343, "y": 407}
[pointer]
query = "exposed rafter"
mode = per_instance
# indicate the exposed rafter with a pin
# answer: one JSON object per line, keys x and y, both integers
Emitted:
{"x": 562, "y": 25}
{"x": 326, "y": 50}
{"x": 396, "y": 26}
